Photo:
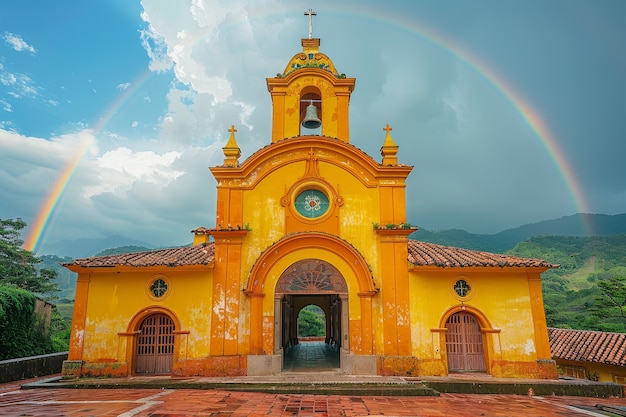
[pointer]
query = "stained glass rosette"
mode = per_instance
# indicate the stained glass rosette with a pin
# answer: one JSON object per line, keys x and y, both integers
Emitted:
{"x": 312, "y": 204}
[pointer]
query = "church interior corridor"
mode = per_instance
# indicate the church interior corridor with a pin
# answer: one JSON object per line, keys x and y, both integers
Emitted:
{"x": 311, "y": 357}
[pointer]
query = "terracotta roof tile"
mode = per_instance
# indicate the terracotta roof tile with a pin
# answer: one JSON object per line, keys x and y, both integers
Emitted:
{"x": 588, "y": 346}
{"x": 430, "y": 254}
{"x": 172, "y": 257}
{"x": 420, "y": 253}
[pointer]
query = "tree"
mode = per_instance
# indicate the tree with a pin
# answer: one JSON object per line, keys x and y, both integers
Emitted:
{"x": 311, "y": 322}
{"x": 611, "y": 303}
{"x": 17, "y": 265}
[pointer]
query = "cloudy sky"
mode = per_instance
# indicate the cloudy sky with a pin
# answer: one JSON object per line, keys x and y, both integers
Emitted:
{"x": 111, "y": 111}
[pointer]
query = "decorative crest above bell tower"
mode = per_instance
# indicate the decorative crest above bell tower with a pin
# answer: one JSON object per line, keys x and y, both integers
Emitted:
{"x": 310, "y": 94}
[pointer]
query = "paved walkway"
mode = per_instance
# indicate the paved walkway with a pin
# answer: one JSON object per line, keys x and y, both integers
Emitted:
{"x": 152, "y": 402}
{"x": 185, "y": 402}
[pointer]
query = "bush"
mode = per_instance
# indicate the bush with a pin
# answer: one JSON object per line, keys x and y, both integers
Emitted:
{"x": 22, "y": 333}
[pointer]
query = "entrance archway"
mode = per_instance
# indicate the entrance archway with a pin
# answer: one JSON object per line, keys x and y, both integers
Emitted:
{"x": 464, "y": 344}
{"x": 155, "y": 345}
{"x": 306, "y": 282}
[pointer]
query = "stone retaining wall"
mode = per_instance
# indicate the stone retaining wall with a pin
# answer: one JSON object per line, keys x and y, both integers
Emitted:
{"x": 31, "y": 367}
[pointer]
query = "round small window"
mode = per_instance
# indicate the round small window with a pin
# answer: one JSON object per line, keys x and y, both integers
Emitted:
{"x": 462, "y": 288}
{"x": 158, "y": 288}
{"x": 311, "y": 203}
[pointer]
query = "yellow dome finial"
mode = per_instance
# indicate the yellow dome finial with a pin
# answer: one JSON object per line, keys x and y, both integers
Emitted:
{"x": 231, "y": 150}
{"x": 389, "y": 148}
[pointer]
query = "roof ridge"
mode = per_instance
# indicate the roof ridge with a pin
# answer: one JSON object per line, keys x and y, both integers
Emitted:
{"x": 202, "y": 254}
{"x": 425, "y": 253}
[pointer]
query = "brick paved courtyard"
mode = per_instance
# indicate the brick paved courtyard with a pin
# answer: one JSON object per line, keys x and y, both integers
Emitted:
{"x": 187, "y": 402}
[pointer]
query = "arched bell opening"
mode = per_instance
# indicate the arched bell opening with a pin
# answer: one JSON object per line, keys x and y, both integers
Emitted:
{"x": 310, "y": 111}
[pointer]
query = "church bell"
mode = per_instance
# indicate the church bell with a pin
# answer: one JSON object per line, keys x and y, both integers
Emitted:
{"x": 311, "y": 121}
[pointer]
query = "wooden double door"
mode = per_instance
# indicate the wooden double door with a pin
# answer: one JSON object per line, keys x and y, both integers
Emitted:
{"x": 155, "y": 346}
{"x": 464, "y": 344}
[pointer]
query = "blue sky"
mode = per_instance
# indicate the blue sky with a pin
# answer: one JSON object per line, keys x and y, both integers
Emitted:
{"x": 151, "y": 87}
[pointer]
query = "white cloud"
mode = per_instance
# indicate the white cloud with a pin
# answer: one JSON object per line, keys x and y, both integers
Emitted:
{"x": 117, "y": 191}
{"x": 220, "y": 60}
{"x": 20, "y": 84}
{"x": 17, "y": 43}
{"x": 155, "y": 46}
{"x": 31, "y": 166}
{"x": 6, "y": 106}
{"x": 123, "y": 86}
{"x": 37, "y": 152}
{"x": 119, "y": 169}
{"x": 182, "y": 34}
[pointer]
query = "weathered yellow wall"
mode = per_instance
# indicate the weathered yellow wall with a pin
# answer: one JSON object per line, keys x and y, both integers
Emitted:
{"x": 115, "y": 298}
{"x": 500, "y": 297}
{"x": 352, "y": 221}
{"x": 604, "y": 373}
{"x": 266, "y": 217}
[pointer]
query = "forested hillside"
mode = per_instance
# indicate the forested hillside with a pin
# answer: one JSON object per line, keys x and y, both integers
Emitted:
{"x": 65, "y": 280}
{"x": 572, "y": 293}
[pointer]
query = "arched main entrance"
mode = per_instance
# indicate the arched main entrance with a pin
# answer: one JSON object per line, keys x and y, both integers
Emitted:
{"x": 155, "y": 345}
{"x": 306, "y": 282}
{"x": 464, "y": 344}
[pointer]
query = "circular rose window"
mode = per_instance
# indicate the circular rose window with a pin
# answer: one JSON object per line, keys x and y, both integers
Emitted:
{"x": 462, "y": 288}
{"x": 158, "y": 288}
{"x": 311, "y": 203}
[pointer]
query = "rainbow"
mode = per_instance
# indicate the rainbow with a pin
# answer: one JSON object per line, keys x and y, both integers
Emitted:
{"x": 526, "y": 111}
{"x": 48, "y": 209}
{"x": 39, "y": 228}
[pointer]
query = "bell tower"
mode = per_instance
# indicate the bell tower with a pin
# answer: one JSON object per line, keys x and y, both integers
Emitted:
{"x": 310, "y": 94}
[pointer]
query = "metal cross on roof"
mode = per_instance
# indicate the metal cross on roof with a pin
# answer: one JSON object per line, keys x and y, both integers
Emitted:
{"x": 310, "y": 13}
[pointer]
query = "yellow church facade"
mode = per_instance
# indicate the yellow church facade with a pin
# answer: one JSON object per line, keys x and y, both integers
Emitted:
{"x": 309, "y": 219}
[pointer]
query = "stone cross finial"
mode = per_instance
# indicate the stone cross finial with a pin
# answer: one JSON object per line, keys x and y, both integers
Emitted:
{"x": 310, "y": 13}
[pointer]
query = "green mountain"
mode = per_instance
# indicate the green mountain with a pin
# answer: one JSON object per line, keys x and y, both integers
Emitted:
{"x": 123, "y": 249}
{"x": 575, "y": 225}
{"x": 83, "y": 248}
